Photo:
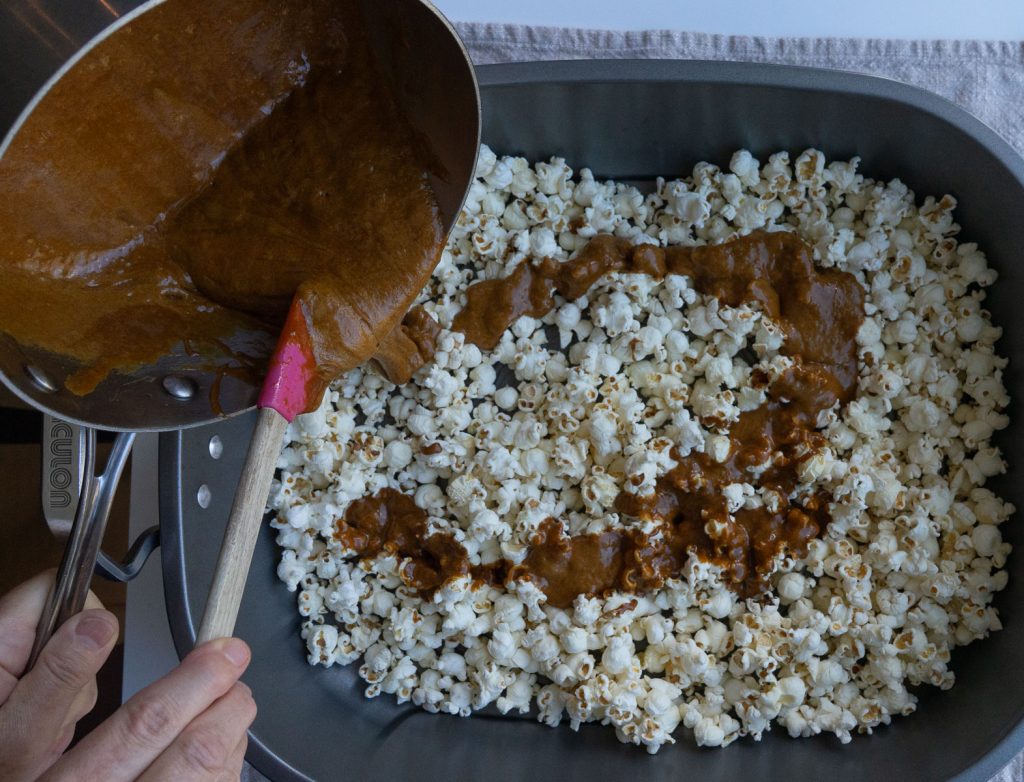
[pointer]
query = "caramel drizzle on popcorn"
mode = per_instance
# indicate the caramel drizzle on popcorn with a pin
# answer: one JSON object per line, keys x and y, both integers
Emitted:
{"x": 820, "y": 312}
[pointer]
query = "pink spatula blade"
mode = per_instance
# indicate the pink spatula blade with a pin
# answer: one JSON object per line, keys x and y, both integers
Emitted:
{"x": 292, "y": 372}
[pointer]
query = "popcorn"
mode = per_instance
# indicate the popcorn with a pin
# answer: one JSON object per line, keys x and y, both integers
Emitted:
{"x": 506, "y": 398}
{"x": 602, "y": 395}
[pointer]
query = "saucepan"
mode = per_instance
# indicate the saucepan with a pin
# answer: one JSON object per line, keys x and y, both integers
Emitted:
{"x": 428, "y": 71}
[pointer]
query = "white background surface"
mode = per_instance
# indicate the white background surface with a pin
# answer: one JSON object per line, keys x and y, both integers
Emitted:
{"x": 1002, "y": 19}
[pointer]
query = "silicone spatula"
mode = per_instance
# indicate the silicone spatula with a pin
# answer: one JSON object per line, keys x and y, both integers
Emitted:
{"x": 287, "y": 390}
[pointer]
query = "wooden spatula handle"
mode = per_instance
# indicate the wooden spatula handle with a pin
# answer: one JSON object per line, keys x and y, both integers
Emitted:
{"x": 243, "y": 527}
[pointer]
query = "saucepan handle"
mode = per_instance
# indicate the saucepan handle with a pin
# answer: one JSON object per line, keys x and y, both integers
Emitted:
{"x": 63, "y": 472}
{"x": 95, "y": 495}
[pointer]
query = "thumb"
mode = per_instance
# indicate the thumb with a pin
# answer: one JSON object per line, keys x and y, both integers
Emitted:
{"x": 61, "y": 688}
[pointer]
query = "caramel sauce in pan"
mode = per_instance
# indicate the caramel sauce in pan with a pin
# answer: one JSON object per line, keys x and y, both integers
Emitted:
{"x": 820, "y": 311}
{"x": 183, "y": 188}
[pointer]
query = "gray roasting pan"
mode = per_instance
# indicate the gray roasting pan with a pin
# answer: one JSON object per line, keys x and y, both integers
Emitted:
{"x": 637, "y": 120}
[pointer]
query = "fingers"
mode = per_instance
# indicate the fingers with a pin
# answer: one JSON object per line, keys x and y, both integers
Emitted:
{"x": 47, "y": 701}
{"x": 83, "y": 702}
{"x": 233, "y": 768}
{"x": 20, "y": 610}
{"x": 208, "y": 749}
{"x": 130, "y": 740}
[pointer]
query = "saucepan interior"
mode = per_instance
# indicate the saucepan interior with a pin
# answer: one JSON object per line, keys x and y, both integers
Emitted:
{"x": 430, "y": 75}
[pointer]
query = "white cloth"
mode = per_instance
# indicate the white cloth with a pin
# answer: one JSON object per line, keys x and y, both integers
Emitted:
{"x": 985, "y": 77}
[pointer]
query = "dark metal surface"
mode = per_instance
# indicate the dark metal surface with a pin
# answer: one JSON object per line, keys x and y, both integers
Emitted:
{"x": 40, "y": 40}
{"x": 134, "y": 560}
{"x": 638, "y": 120}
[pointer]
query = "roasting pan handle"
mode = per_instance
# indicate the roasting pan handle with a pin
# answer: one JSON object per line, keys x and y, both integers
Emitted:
{"x": 133, "y": 562}
{"x": 77, "y": 500}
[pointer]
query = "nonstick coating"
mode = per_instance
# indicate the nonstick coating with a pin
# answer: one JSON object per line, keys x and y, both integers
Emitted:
{"x": 639, "y": 119}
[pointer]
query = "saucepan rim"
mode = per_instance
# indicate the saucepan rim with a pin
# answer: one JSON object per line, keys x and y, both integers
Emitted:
{"x": 41, "y": 403}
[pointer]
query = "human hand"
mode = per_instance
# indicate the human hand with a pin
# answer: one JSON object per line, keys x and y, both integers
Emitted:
{"x": 191, "y": 724}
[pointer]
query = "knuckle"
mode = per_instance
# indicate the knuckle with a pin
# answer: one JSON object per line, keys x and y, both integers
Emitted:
{"x": 86, "y": 701}
{"x": 59, "y": 745}
{"x": 65, "y": 670}
{"x": 250, "y": 710}
{"x": 148, "y": 720}
{"x": 203, "y": 750}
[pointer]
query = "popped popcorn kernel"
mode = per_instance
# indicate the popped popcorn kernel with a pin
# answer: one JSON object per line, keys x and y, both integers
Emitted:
{"x": 603, "y": 395}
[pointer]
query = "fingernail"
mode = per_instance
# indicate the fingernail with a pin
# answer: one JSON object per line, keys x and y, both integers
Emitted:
{"x": 94, "y": 631}
{"x": 236, "y": 651}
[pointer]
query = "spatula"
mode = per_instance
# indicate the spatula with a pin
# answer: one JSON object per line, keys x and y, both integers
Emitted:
{"x": 287, "y": 391}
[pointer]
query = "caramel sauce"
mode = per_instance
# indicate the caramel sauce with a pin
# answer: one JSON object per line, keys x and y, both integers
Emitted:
{"x": 409, "y": 346}
{"x": 391, "y": 522}
{"x": 181, "y": 189}
{"x": 820, "y": 311}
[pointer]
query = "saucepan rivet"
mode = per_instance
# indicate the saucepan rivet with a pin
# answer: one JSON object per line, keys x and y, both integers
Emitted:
{"x": 203, "y": 496}
{"x": 179, "y": 387}
{"x": 40, "y": 378}
{"x": 216, "y": 447}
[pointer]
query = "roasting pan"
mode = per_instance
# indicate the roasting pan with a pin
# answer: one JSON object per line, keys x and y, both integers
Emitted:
{"x": 635, "y": 120}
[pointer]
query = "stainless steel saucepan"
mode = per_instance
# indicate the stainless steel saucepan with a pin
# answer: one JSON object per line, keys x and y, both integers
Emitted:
{"x": 41, "y": 41}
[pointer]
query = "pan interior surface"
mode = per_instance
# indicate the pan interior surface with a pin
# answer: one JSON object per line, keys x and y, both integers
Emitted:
{"x": 638, "y": 120}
